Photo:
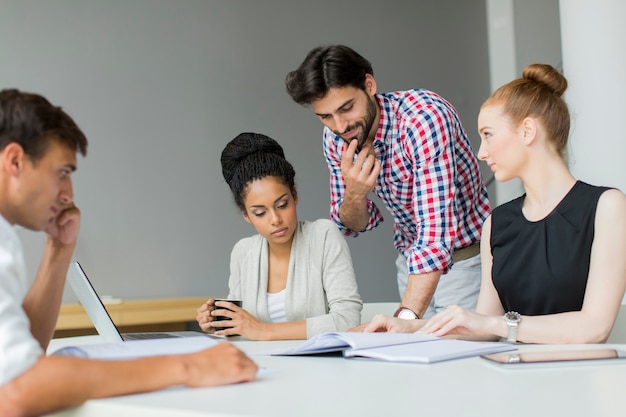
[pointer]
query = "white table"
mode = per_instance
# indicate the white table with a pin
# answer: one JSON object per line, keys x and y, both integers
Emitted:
{"x": 334, "y": 386}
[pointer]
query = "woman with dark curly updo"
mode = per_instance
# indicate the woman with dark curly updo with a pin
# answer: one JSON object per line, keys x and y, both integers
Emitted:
{"x": 295, "y": 278}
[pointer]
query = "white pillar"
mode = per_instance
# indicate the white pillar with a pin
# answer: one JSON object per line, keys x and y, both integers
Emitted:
{"x": 594, "y": 61}
{"x": 503, "y": 69}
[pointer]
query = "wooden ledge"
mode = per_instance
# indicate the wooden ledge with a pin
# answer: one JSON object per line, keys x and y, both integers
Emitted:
{"x": 134, "y": 312}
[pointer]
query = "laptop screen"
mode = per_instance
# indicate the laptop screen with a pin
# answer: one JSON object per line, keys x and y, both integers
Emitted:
{"x": 92, "y": 303}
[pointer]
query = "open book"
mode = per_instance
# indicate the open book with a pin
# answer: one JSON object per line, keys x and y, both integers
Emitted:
{"x": 341, "y": 341}
{"x": 395, "y": 347}
{"x": 140, "y": 348}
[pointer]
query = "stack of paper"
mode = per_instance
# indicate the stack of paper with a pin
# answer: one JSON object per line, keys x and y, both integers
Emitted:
{"x": 395, "y": 347}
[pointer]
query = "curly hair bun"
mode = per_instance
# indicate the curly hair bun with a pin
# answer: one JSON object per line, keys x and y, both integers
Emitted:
{"x": 242, "y": 147}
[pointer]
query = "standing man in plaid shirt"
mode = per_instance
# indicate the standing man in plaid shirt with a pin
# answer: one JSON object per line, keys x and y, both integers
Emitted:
{"x": 410, "y": 149}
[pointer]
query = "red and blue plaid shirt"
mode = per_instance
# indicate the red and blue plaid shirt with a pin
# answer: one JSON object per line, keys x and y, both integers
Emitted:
{"x": 429, "y": 181}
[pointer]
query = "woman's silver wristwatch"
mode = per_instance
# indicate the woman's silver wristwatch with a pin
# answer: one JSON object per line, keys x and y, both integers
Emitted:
{"x": 512, "y": 320}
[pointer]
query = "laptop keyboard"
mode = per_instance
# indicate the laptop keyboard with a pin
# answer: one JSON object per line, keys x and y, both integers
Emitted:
{"x": 150, "y": 335}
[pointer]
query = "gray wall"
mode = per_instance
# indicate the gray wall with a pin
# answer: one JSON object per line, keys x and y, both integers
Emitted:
{"x": 160, "y": 86}
{"x": 539, "y": 42}
{"x": 520, "y": 32}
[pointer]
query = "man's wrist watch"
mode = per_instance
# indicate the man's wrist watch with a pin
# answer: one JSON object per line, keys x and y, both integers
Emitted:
{"x": 512, "y": 320}
{"x": 405, "y": 313}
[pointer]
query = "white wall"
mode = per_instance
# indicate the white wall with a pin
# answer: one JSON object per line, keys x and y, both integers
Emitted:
{"x": 160, "y": 86}
{"x": 594, "y": 60}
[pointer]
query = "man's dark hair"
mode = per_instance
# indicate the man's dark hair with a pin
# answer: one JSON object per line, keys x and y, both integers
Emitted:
{"x": 31, "y": 121}
{"x": 327, "y": 67}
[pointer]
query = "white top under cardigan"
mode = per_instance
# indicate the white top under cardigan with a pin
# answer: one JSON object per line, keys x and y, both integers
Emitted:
{"x": 276, "y": 307}
{"x": 321, "y": 285}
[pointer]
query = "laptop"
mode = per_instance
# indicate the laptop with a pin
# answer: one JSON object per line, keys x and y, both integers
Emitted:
{"x": 91, "y": 302}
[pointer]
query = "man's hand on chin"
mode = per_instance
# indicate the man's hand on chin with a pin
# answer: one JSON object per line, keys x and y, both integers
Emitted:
{"x": 65, "y": 226}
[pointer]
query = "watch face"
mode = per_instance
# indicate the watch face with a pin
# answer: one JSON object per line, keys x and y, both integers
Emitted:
{"x": 406, "y": 314}
{"x": 512, "y": 316}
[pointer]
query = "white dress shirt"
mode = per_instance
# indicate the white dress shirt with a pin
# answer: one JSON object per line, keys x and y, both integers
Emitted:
{"x": 18, "y": 348}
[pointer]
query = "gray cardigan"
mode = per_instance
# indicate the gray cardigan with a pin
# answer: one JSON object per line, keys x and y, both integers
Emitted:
{"x": 321, "y": 285}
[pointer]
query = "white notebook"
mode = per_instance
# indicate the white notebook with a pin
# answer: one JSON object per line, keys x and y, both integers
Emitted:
{"x": 430, "y": 352}
{"x": 139, "y": 348}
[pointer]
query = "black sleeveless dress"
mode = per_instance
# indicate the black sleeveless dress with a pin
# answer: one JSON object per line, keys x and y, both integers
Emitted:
{"x": 542, "y": 267}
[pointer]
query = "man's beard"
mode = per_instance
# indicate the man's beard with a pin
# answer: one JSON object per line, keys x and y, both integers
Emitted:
{"x": 365, "y": 124}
